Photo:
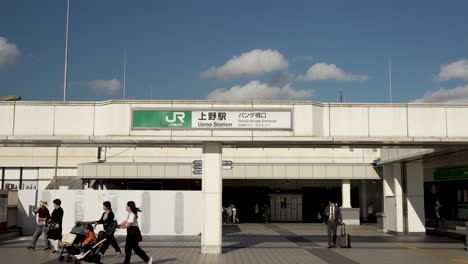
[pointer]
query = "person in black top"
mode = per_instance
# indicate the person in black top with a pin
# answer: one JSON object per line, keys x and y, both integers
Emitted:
{"x": 55, "y": 233}
{"x": 106, "y": 219}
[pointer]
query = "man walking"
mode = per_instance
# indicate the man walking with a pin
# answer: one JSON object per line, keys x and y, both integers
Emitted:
{"x": 333, "y": 215}
{"x": 43, "y": 216}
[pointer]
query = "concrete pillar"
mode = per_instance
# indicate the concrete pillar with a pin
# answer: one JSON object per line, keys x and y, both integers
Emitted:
{"x": 398, "y": 190}
{"x": 212, "y": 187}
{"x": 388, "y": 198}
{"x": 363, "y": 199}
{"x": 346, "y": 194}
{"x": 415, "y": 197}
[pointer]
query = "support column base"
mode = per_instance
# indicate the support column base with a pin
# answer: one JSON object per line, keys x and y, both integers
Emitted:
{"x": 395, "y": 233}
{"x": 350, "y": 216}
{"x": 211, "y": 249}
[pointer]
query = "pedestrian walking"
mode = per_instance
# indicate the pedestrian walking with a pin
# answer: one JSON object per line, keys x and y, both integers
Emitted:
{"x": 333, "y": 214}
{"x": 266, "y": 213}
{"x": 229, "y": 214}
{"x": 106, "y": 220}
{"x": 133, "y": 234}
{"x": 234, "y": 214}
{"x": 439, "y": 222}
{"x": 55, "y": 231}
{"x": 43, "y": 216}
{"x": 370, "y": 213}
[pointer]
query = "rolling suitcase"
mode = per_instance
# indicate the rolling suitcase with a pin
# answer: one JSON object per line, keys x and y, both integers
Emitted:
{"x": 345, "y": 239}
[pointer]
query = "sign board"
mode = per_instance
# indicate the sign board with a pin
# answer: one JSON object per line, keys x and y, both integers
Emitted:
{"x": 210, "y": 119}
{"x": 451, "y": 174}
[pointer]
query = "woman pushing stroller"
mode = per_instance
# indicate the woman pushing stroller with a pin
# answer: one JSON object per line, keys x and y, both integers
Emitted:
{"x": 107, "y": 220}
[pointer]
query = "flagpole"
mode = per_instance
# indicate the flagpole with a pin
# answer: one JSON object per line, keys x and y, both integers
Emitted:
{"x": 66, "y": 56}
{"x": 125, "y": 74}
{"x": 390, "y": 79}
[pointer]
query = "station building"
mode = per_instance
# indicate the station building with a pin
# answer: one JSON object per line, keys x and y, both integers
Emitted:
{"x": 188, "y": 159}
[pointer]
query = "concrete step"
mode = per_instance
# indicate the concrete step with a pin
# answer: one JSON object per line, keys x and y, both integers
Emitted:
{"x": 11, "y": 233}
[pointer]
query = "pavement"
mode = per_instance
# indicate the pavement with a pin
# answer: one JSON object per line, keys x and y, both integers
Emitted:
{"x": 273, "y": 244}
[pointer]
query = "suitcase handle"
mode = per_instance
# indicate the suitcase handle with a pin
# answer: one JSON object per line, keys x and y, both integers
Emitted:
{"x": 343, "y": 229}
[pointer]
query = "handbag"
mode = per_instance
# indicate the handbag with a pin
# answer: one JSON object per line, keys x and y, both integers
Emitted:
{"x": 140, "y": 237}
{"x": 49, "y": 226}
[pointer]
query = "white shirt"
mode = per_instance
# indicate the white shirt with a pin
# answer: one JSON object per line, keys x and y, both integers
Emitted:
{"x": 132, "y": 219}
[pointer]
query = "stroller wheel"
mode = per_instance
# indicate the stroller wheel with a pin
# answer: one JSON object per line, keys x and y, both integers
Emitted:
{"x": 69, "y": 259}
{"x": 61, "y": 258}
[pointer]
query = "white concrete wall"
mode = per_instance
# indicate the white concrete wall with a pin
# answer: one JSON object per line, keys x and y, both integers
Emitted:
{"x": 302, "y": 171}
{"x": 112, "y": 120}
{"x": 162, "y": 213}
{"x": 71, "y": 120}
{"x": 7, "y": 118}
{"x": 72, "y": 156}
{"x": 349, "y": 121}
{"x": 37, "y": 120}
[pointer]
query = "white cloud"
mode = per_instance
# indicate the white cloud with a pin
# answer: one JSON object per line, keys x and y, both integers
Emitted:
{"x": 108, "y": 86}
{"x": 255, "y": 90}
{"x": 252, "y": 63}
{"x": 329, "y": 72}
{"x": 455, "y": 95}
{"x": 8, "y": 53}
{"x": 454, "y": 70}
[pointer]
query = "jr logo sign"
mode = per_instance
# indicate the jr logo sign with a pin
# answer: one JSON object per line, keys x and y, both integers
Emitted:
{"x": 176, "y": 116}
{"x": 151, "y": 119}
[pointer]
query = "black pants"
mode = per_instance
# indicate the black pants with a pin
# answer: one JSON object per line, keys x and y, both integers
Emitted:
{"x": 110, "y": 241}
{"x": 131, "y": 243}
{"x": 331, "y": 230}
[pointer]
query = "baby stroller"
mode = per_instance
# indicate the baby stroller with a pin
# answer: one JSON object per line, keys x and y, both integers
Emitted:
{"x": 93, "y": 255}
{"x": 72, "y": 240}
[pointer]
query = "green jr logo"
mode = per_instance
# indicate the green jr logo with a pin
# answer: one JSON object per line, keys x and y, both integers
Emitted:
{"x": 147, "y": 119}
{"x": 176, "y": 115}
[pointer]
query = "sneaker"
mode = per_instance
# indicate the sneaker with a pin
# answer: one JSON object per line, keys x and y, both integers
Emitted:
{"x": 47, "y": 248}
{"x": 55, "y": 251}
{"x": 150, "y": 261}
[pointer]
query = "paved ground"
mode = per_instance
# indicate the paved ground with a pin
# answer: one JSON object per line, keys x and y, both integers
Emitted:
{"x": 274, "y": 244}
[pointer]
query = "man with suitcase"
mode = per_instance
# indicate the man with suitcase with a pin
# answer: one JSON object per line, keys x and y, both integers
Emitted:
{"x": 333, "y": 215}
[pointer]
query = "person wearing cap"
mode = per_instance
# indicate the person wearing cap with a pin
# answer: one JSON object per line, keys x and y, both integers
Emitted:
{"x": 43, "y": 216}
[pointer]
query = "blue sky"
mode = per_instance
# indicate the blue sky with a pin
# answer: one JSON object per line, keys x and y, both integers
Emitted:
{"x": 307, "y": 50}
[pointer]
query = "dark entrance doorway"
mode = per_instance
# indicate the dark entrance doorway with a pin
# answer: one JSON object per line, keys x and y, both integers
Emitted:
{"x": 248, "y": 202}
{"x": 315, "y": 199}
